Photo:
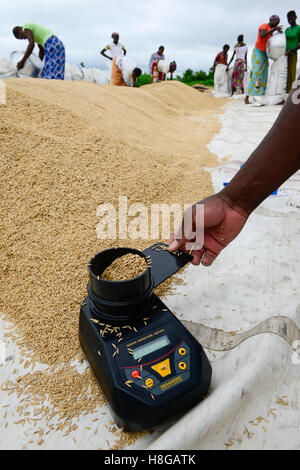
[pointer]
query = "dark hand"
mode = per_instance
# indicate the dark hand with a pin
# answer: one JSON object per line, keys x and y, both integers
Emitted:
{"x": 223, "y": 221}
{"x": 20, "y": 65}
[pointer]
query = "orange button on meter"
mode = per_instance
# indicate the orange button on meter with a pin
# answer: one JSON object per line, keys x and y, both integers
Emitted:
{"x": 149, "y": 383}
{"x": 182, "y": 365}
{"x": 182, "y": 352}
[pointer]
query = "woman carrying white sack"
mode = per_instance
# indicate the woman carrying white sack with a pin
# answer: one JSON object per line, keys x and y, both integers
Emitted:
{"x": 124, "y": 71}
{"x": 160, "y": 68}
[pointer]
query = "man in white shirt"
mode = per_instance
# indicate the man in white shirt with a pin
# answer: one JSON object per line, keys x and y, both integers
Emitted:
{"x": 115, "y": 48}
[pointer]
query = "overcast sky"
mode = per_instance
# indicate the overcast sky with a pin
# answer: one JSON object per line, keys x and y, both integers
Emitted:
{"x": 192, "y": 31}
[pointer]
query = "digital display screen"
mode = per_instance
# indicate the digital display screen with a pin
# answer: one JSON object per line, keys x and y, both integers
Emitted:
{"x": 151, "y": 347}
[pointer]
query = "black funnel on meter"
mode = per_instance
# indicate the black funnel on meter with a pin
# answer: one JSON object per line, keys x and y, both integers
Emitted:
{"x": 149, "y": 366}
{"x": 118, "y": 301}
{"x": 124, "y": 301}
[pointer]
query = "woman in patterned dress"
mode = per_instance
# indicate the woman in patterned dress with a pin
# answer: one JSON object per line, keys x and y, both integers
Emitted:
{"x": 240, "y": 65}
{"x": 52, "y": 50}
{"x": 260, "y": 62}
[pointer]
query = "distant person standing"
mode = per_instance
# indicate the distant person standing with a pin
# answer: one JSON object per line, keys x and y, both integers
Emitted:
{"x": 292, "y": 45}
{"x": 115, "y": 47}
{"x": 221, "y": 58}
{"x": 52, "y": 50}
{"x": 156, "y": 56}
{"x": 260, "y": 61}
{"x": 240, "y": 64}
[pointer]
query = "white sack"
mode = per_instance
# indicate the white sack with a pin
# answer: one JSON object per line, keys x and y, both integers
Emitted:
{"x": 7, "y": 70}
{"x": 95, "y": 75}
{"x": 72, "y": 72}
{"x": 277, "y": 78}
{"x": 101, "y": 77}
{"x": 163, "y": 66}
{"x": 221, "y": 81}
{"x": 276, "y": 46}
{"x": 32, "y": 68}
{"x": 246, "y": 80}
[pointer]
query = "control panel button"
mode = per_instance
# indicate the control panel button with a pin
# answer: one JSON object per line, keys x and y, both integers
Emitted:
{"x": 163, "y": 368}
{"x": 135, "y": 374}
{"x": 182, "y": 350}
{"x": 149, "y": 382}
{"x": 182, "y": 365}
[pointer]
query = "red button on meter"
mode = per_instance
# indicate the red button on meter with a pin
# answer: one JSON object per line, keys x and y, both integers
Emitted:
{"x": 135, "y": 374}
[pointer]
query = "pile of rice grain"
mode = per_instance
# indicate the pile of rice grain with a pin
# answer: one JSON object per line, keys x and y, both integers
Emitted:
{"x": 125, "y": 267}
{"x": 55, "y": 171}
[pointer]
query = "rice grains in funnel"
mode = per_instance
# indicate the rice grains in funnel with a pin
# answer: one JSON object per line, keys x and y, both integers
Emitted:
{"x": 126, "y": 267}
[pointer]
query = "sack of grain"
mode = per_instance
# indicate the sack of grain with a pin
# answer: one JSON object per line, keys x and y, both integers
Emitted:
{"x": 222, "y": 81}
{"x": 163, "y": 66}
{"x": 277, "y": 78}
{"x": 276, "y": 46}
{"x": 32, "y": 68}
{"x": 95, "y": 75}
{"x": 7, "y": 70}
{"x": 72, "y": 72}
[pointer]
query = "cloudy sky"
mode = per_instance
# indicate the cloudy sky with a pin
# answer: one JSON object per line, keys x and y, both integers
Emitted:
{"x": 193, "y": 31}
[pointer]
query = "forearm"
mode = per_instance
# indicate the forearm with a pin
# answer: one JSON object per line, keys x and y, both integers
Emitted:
{"x": 231, "y": 60}
{"x": 104, "y": 55}
{"x": 28, "y": 52}
{"x": 295, "y": 49}
{"x": 272, "y": 163}
{"x": 41, "y": 53}
{"x": 264, "y": 33}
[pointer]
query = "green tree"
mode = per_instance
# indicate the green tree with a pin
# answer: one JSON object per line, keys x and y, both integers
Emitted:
{"x": 190, "y": 77}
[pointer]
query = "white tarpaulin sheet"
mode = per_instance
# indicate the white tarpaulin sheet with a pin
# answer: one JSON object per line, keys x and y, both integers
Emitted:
{"x": 254, "y": 402}
{"x": 255, "y": 394}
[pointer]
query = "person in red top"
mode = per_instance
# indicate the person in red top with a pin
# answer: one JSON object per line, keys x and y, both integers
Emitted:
{"x": 160, "y": 68}
{"x": 157, "y": 76}
{"x": 222, "y": 57}
{"x": 260, "y": 62}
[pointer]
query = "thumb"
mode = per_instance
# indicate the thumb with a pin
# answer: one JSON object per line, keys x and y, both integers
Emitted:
{"x": 175, "y": 245}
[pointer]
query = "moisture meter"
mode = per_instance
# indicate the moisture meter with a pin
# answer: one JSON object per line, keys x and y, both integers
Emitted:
{"x": 148, "y": 365}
